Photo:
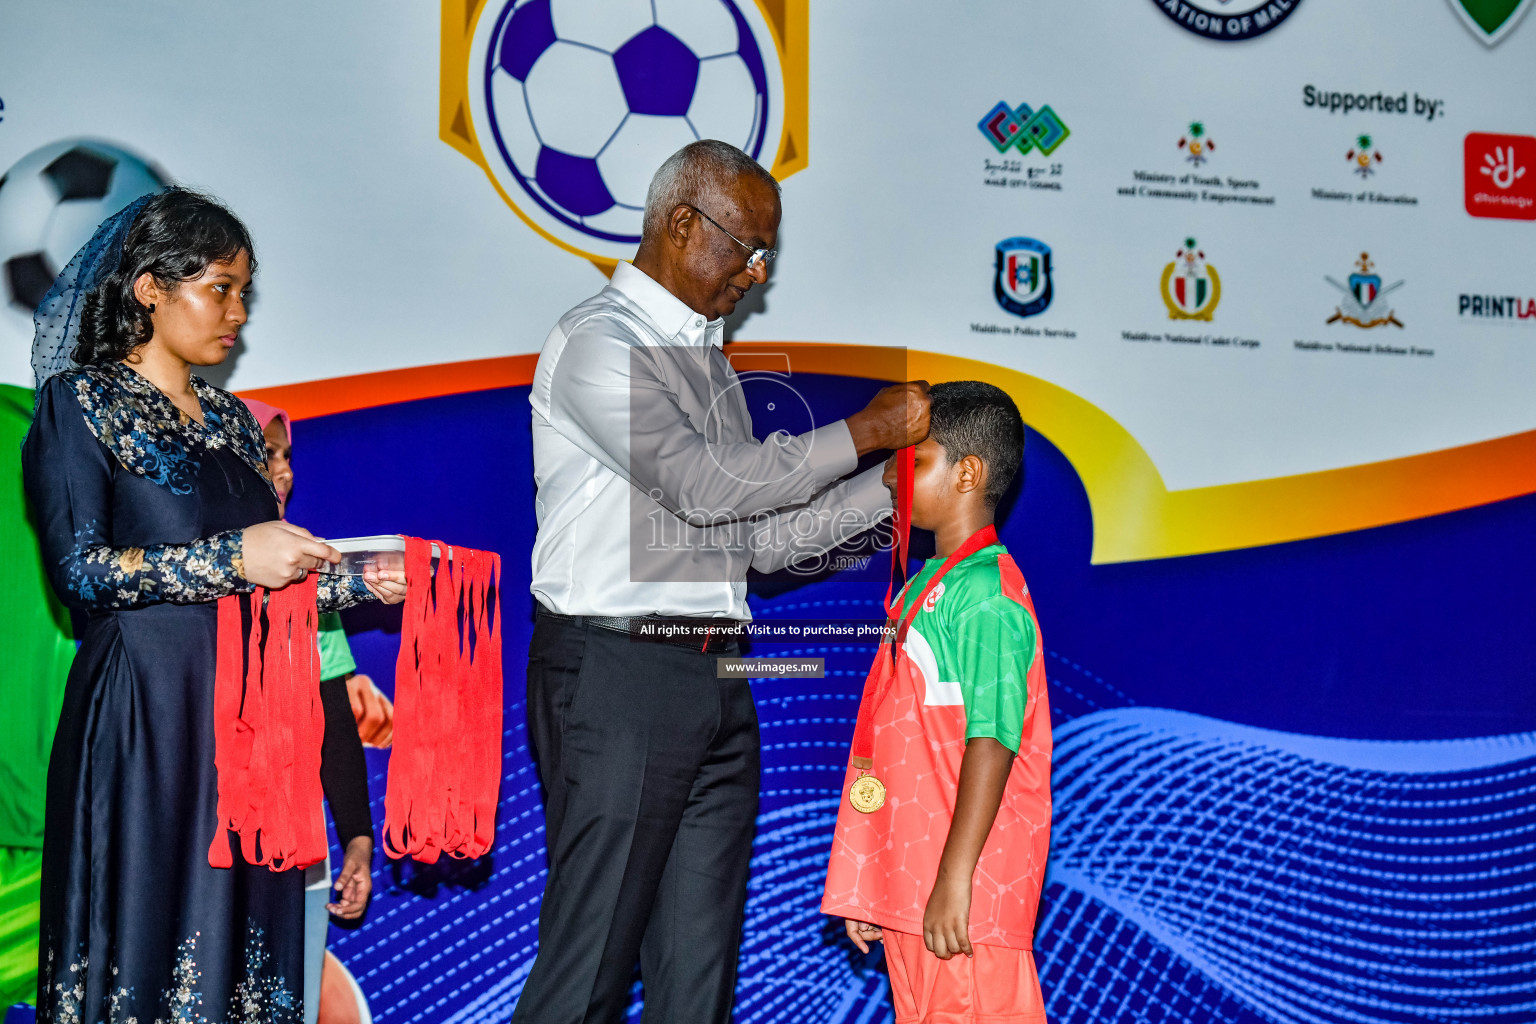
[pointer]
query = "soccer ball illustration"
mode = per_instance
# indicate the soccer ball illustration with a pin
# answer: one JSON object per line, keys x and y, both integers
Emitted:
{"x": 584, "y": 99}
{"x": 51, "y": 202}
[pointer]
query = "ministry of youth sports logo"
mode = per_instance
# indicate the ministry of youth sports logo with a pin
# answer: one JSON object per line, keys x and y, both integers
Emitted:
{"x": 1228, "y": 21}
{"x": 571, "y": 105}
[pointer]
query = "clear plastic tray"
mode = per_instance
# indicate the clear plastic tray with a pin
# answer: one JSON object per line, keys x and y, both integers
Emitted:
{"x": 359, "y": 554}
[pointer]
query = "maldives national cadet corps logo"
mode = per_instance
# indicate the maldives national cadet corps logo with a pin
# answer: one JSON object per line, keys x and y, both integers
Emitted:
{"x": 1491, "y": 20}
{"x": 1024, "y": 127}
{"x": 1191, "y": 287}
{"x": 1022, "y": 283}
{"x": 1364, "y": 301}
{"x": 1229, "y": 21}
{"x": 571, "y": 105}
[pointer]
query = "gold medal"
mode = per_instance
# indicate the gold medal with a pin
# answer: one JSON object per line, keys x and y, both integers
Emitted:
{"x": 866, "y": 794}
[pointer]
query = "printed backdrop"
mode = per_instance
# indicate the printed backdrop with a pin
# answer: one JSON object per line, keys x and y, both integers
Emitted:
{"x": 1259, "y": 275}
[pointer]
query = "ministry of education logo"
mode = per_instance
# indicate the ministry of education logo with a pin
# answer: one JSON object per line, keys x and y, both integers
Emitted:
{"x": 570, "y": 105}
{"x": 1363, "y": 302}
{"x": 1362, "y": 156}
{"x": 1022, "y": 284}
{"x": 1490, "y": 20}
{"x": 1229, "y": 21}
{"x": 1191, "y": 287}
{"x": 1024, "y": 128}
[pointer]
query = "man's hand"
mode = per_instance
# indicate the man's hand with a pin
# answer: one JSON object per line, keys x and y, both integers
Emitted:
{"x": 374, "y": 713}
{"x": 355, "y": 883}
{"x": 897, "y": 417}
{"x": 862, "y": 933}
{"x": 946, "y": 921}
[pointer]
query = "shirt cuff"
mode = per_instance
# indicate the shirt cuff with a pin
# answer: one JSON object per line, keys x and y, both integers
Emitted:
{"x": 867, "y": 493}
{"x": 830, "y": 453}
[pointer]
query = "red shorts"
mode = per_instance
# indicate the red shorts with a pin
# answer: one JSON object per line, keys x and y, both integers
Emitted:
{"x": 996, "y": 986}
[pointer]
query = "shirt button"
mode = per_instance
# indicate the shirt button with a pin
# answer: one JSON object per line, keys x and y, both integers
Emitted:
{"x": 699, "y": 322}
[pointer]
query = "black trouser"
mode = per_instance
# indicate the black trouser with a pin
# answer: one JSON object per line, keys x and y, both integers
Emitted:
{"x": 650, "y": 768}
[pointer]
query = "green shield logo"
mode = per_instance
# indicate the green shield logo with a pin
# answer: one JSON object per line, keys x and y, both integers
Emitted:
{"x": 1490, "y": 20}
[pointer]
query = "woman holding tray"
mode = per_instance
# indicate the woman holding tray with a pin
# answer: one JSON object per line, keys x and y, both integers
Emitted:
{"x": 152, "y": 497}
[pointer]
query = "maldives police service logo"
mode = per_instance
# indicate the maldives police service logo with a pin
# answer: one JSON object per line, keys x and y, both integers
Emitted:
{"x": 1228, "y": 21}
{"x": 1491, "y": 20}
{"x": 571, "y": 105}
{"x": 1022, "y": 283}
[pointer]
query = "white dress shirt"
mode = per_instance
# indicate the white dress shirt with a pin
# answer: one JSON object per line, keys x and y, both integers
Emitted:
{"x": 653, "y": 495}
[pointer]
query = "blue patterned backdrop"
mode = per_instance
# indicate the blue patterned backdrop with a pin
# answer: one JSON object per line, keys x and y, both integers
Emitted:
{"x": 1292, "y": 784}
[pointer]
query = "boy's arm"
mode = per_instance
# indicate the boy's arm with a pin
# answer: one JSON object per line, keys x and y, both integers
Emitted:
{"x": 983, "y": 777}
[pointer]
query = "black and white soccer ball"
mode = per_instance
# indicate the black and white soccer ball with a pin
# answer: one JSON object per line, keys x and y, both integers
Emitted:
{"x": 51, "y": 201}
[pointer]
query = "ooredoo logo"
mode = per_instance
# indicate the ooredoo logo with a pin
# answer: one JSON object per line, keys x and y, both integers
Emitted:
{"x": 1501, "y": 176}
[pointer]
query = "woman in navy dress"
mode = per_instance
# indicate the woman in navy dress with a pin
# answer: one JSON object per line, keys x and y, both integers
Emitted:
{"x": 152, "y": 500}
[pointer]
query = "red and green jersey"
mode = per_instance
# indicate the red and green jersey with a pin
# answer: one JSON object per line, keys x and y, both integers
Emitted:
{"x": 971, "y": 666}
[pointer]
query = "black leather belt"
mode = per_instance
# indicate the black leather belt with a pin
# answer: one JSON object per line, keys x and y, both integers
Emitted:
{"x": 708, "y": 636}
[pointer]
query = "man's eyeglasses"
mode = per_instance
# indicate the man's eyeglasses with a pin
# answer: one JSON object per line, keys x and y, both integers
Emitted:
{"x": 758, "y": 257}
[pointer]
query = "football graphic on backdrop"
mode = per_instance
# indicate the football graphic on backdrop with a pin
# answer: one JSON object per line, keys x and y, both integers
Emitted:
{"x": 51, "y": 201}
{"x": 583, "y": 100}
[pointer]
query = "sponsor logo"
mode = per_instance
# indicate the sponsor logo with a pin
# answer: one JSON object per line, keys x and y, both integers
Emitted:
{"x": 1363, "y": 157}
{"x": 1191, "y": 287}
{"x": 933, "y": 597}
{"x": 1498, "y": 307}
{"x": 1363, "y": 302}
{"x": 1024, "y": 128}
{"x": 570, "y": 108}
{"x": 1499, "y": 176}
{"x": 1490, "y": 20}
{"x": 1022, "y": 283}
{"x": 1196, "y": 147}
{"x": 1228, "y": 21}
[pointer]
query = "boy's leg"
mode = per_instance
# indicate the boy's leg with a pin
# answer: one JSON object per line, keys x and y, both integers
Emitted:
{"x": 998, "y": 985}
{"x": 688, "y": 958}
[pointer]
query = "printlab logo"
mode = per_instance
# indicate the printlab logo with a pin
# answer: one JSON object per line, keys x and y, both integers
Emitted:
{"x": 1022, "y": 284}
{"x": 1228, "y": 21}
{"x": 1499, "y": 178}
{"x": 1363, "y": 156}
{"x": 1024, "y": 127}
{"x": 1364, "y": 301}
{"x": 1490, "y": 20}
{"x": 1196, "y": 146}
{"x": 571, "y": 107}
{"x": 1191, "y": 287}
{"x": 1507, "y": 308}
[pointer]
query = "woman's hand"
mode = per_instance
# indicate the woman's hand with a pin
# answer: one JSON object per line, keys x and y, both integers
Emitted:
{"x": 355, "y": 883}
{"x": 387, "y": 586}
{"x": 278, "y": 553}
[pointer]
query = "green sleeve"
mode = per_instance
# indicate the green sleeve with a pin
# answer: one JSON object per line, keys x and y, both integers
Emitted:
{"x": 995, "y": 646}
{"x": 335, "y": 653}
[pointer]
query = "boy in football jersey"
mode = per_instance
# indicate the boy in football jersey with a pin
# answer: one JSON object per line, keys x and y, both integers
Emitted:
{"x": 942, "y": 836}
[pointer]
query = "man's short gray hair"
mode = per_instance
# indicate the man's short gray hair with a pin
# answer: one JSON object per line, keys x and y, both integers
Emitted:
{"x": 699, "y": 174}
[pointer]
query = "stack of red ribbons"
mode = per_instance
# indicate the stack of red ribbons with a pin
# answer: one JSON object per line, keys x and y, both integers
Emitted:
{"x": 445, "y": 767}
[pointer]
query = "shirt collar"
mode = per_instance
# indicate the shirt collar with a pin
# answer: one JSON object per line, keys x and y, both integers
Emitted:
{"x": 666, "y": 311}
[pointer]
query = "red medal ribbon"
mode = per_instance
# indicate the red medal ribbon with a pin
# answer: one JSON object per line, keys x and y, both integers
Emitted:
{"x": 882, "y": 676}
{"x": 445, "y": 768}
{"x": 268, "y": 728}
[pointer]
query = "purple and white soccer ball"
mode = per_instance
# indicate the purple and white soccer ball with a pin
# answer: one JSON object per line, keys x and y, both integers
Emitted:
{"x": 584, "y": 99}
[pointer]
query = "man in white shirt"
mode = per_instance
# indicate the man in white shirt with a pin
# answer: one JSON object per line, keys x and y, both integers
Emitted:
{"x": 654, "y": 498}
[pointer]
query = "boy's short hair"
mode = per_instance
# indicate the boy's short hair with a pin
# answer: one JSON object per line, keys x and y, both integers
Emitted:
{"x": 970, "y": 417}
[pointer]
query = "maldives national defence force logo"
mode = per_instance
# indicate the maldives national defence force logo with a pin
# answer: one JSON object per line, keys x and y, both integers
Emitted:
{"x": 570, "y": 105}
{"x": 1022, "y": 283}
{"x": 1191, "y": 287}
{"x": 1363, "y": 302}
{"x": 1228, "y": 21}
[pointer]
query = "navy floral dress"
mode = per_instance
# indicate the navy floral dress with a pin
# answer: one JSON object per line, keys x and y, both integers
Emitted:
{"x": 140, "y": 510}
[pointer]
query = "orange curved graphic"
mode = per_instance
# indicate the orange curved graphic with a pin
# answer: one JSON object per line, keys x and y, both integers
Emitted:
{"x": 1135, "y": 516}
